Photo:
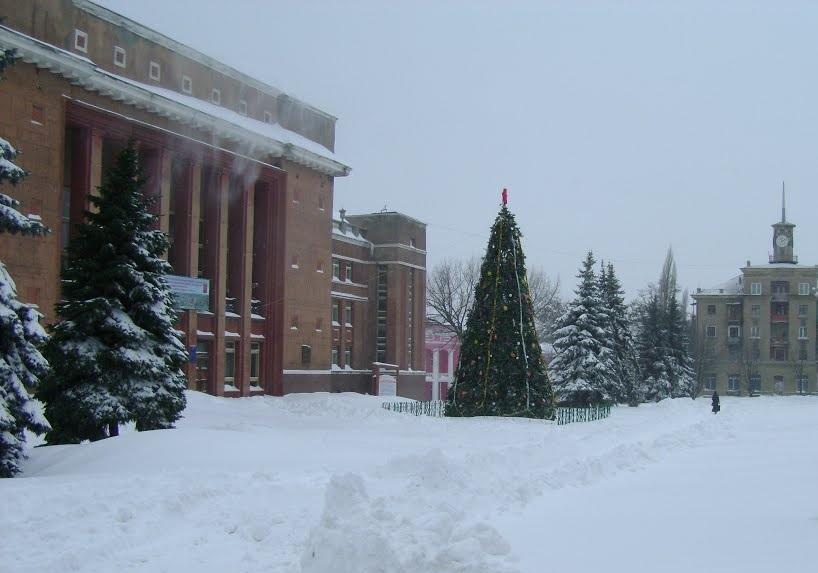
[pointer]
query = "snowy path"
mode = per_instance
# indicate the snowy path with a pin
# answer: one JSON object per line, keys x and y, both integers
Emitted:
{"x": 333, "y": 483}
{"x": 746, "y": 503}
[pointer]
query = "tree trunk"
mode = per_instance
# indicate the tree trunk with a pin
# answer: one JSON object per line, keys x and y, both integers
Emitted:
{"x": 113, "y": 429}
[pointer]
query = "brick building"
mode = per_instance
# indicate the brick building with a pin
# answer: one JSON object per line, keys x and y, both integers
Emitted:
{"x": 244, "y": 177}
{"x": 757, "y": 331}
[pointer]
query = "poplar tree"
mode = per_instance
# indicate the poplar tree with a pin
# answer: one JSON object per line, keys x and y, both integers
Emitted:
{"x": 21, "y": 364}
{"x": 501, "y": 370}
{"x": 115, "y": 354}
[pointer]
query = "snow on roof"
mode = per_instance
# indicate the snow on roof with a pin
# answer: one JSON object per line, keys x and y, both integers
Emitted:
{"x": 270, "y": 130}
{"x": 732, "y": 286}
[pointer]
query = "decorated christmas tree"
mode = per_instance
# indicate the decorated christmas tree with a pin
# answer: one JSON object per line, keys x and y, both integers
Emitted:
{"x": 501, "y": 370}
{"x": 115, "y": 355}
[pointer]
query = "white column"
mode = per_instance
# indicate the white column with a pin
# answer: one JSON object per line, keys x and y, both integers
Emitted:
{"x": 436, "y": 374}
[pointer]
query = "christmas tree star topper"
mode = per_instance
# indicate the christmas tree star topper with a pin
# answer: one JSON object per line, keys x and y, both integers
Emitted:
{"x": 505, "y": 196}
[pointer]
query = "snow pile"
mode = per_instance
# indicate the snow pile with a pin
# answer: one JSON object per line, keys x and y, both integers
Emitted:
{"x": 386, "y": 535}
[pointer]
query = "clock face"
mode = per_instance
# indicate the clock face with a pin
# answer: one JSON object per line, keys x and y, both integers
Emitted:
{"x": 782, "y": 240}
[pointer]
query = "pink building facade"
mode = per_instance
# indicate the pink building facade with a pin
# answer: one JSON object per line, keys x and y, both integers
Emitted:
{"x": 442, "y": 354}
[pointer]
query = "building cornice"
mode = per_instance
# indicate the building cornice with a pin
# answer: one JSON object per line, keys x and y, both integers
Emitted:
{"x": 158, "y": 38}
{"x": 83, "y": 72}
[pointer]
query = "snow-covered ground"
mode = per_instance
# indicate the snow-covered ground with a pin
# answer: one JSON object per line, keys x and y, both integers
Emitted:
{"x": 333, "y": 483}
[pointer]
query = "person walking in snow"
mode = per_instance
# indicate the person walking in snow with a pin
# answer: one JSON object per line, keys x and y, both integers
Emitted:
{"x": 716, "y": 404}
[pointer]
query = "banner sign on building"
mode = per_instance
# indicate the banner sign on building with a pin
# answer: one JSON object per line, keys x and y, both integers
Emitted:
{"x": 189, "y": 293}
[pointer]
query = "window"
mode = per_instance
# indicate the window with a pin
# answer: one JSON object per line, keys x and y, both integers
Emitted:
{"x": 216, "y": 96}
{"x": 334, "y": 357}
{"x": 733, "y": 382}
{"x": 348, "y": 356}
{"x": 348, "y": 272}
{"x": 155, "y": 71}
{"x": 802, "y": 309}
{"x": 120, "y": 57}
{"x": 381, "y": 316}
{"x": 348, "y": 314}
{"x": 80, "y": 41}
{"x": 336, "y": 269}
{"x": 294, "y": 263}
{"x": 710, "y": 382}
{"x": 294, "y": 322}
{"x": 319, "y": 267}
{"x": 802, "y": 350}
{"x": 37, "y": 114}
{"x": 755, "y": 310}
{"x": 755, "y": 383}
{"x": 711, "y": 332}
{"x": 803, "y": 288}
{"x": 755, "y": 288}
{"x": 336, "y": 313}
{"x": 754, "y": 332}
{"x": 711, "y": 309}
{"x": 255, "y": 362}
{"x": 268, "y": 117}
{"x": 733, "y": 331}
{"x": 306, "y": 354}
{"x": 319, "y": 324}
{"x": 187, "y": 85}
{"x": 802, "y": 384}
{"x": 242, "y": 107}
{"x": 412, "y": 242}
{"x": 802, "y": 329}
{"x": 202, "y": 363}
{"x": 229, "y": 362}
{"x": 320, "y": 203}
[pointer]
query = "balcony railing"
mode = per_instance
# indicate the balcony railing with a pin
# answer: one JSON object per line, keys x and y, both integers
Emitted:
{"x": 779, "y": 318}
{"x": 231, "y": 304}
{"x": 257, "y": 307}
{"x": 794, "y": 259}
{"x": 733, "y": 340}
{"x": 780, "y": 297}
{"x": 779, "y": 342}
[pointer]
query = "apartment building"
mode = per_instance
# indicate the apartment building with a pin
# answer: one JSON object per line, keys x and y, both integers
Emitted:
{"x": 757, "y": 331}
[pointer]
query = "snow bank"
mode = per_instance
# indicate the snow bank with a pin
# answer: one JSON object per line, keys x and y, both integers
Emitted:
{"x": 333, "y": 482}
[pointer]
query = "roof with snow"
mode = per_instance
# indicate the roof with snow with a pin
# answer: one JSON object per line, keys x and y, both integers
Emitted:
{"x": 261, "y": 138}
{"x": 731, "y": 287}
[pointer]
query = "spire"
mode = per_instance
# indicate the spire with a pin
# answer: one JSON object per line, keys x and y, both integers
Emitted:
{"x": 783, "y": 204}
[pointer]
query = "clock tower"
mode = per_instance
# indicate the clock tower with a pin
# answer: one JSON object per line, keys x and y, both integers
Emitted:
{"x": 783, "y": 237}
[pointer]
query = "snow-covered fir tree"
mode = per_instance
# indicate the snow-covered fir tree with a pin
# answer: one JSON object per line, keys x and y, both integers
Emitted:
{"x": 627, "y": 384}
{"x": 663, "y": 346}
{"x": 582, "y": 368}
{"x": 652, "y": 349}
{"x": 115, "y": 355}
{"x": 21, "y": 363}
{"x": 501, "y": 371}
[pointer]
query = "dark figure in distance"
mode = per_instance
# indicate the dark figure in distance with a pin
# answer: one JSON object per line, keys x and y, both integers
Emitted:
{"x": 716, "y": 405}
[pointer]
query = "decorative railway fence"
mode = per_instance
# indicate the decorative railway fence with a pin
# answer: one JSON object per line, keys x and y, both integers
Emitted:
{"x": 562, "y": 416}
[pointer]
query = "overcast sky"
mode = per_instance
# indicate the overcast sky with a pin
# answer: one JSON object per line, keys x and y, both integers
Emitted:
{"x": 622, "y": 127}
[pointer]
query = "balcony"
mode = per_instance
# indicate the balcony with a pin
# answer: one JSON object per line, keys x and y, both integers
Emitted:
{"x": 779, "y": 318}
{"x": 779, "y": 342}
{"x": 734, "y": 340}
{"x": 780, "y": 297}
{"x": 257, "y": 307}
{"x": 793, "y": 259}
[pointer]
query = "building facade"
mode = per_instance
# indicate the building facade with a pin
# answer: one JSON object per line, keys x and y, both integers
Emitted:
{"x": 243, "y": 177}
{"x": 756, "y": 333}
{"x": 442, "y": 355}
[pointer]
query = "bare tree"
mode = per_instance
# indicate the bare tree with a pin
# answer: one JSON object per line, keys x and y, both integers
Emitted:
{"x": 750, "y": 358}
{"x": 547, "y": 302}
{"x": 450, "y": 293}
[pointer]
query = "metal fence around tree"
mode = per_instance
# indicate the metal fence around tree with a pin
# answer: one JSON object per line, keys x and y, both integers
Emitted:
{"x": 562, "y": 416}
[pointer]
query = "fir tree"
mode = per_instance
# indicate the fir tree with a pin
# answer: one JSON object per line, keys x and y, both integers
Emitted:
{"x": 627, "y": 386}
{"x": 652, "y": 347}
{"x": 115, "y": 354}
{"x": 680, "y": 364}
{"x": 21, "y": 363}
{"x": 501, "y": 370}
{"x": 582, "y": 368}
